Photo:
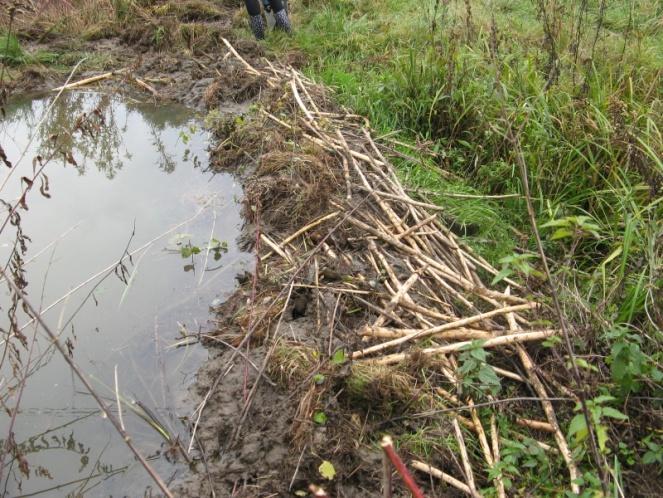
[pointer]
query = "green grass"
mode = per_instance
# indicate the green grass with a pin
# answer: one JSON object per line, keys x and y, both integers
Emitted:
{"x": 590, "y": 132}
{"x": 11, "y": 52}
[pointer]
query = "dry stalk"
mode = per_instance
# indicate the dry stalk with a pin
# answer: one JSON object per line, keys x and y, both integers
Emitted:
{"x": 536, "y": 425}
{"x": 87, "y": 81}
{"x": 454, "y": 325}
{"x": 494, "y": 437}
{"x": 467, "y": 467}
{"x": 459, "y": 346}
{"x": 84, "y": 380}
{"x": 437, "y": 473}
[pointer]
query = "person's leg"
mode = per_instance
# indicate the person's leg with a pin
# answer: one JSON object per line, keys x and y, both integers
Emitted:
{"x": 255, "y": 18}
{"x": 277, "y": 5}
{"x": 253, "y": 6}
{"x": 281, "y": 15}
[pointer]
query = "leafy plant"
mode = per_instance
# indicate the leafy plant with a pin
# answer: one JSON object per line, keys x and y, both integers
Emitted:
{"x": 339, "y": 357}
{"x": 189, "y": 250}
{"x": 517, "y": 263}
{"x": 599, "y": 411}
{"x": 11, "y": 52}
{"x": 516, "y": 455}
{"x": 654, "y": 453}
{"x": 218, "y": 248}
{"x": 573, "y": 227}
{"x": 475, "y": 372}
{"x": 629, "y": 365}
{"x": 319, "y": 417}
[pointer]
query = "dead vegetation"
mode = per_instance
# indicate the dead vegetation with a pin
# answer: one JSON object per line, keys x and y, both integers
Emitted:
{"x": 398, "y": 331}
{"x": 193, "y": 24}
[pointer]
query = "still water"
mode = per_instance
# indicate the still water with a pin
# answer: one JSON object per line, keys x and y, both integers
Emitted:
{"x": 125, "y": 178}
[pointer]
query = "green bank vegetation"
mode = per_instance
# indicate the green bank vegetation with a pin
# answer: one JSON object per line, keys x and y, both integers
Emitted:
{"x": 475, "y": 89}
{"x": 575, "y": 89}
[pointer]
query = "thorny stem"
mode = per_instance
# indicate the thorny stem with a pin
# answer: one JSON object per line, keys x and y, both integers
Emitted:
{"x": 106, "y": 411}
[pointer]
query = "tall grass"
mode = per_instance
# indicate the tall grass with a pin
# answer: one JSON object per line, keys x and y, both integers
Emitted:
{"x": 581, "y": 85}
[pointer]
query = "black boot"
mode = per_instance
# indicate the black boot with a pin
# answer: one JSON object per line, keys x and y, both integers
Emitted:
{"x": 282, "y": 21}
{"x": 257, "y": 26}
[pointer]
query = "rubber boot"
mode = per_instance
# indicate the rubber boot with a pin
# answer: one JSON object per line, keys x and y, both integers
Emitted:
{"x": 282, "y": 21}
{"x": 257, "y": 26}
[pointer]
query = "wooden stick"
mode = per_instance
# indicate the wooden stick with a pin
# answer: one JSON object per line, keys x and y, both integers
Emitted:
{"x": 386, "y": 476}
{"x": 297, "y": 77}
{"x": 452, "y": 481}
{"x": 469, "y": 475}
{"x": 416, "y": 227}
{"x": 485, "y": 447}
{"x": 396, "y": 298}
{"x": 543, "y": 446}
{"x": 483, "y": 440}
{"x": 317, "y": 491}
{"x": 537, "y": 425}
{"x": 315, "y": 140}
{"x": 87, "y": 81}
{"x": 147, "y": 87}
{"x": 248, "y": 66}
{"x": 414, "y": 252}
{"x": 452, "y": 348}
{"x": 346, "y": 169}
{"x": 494, "y": 436}
{"x": 302, "y": 230}
{"x": 461, "y": 333}
{"x": 276, "y": 248}
{"x": 449, "y": 326}
{"x": 510, "y": 375}
{"x": 408, "y": 200}
{"x": 299, "y": 101}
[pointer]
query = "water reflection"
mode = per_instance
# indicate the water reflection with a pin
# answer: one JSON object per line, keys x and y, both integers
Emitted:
{"x": 120, "y": 259}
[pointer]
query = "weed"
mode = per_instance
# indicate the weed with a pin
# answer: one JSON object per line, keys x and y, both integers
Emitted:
{"x": 11, "y": 52}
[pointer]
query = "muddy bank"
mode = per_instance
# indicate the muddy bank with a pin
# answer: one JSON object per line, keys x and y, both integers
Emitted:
{"x": 332, "y": 341}
{"x": 361, "y": 311}
{"x": 261, "y": 457}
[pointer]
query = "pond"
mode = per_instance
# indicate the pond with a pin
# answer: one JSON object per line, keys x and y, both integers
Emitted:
{"x": 123, "y": 181}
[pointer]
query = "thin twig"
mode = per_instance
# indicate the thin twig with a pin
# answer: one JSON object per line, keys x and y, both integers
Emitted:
{"x": 84, "y": 380}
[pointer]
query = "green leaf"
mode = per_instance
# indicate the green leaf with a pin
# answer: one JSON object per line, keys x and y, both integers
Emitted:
{"x": 327, "y": 470}
{"x": 578, "y": 428}
{"x": 318, "y": 379}
{"x": 338, "y": 358}
{"x": 561, "y": 233}
{"x": 602, "y": 436}
{"x": 488, "y": 376}
{"x": 479, "y": 353}
{"x": 582, "y": 363}
{"x": 564, "y": 222}
{"x": 612, "y": 413}
{"x": 552, "y": 341}
{"x": 320, "y": 417}
{"x": 504, "y": 273}
{"x": 604, "y": 398}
